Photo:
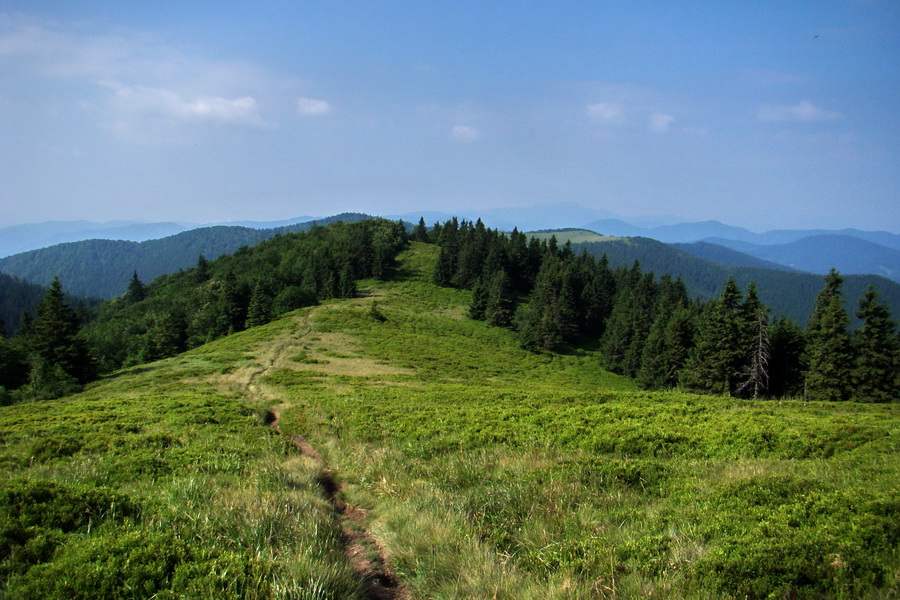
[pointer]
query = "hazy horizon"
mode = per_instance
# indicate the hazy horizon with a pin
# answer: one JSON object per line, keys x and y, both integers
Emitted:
{"x": 762, "y": 116}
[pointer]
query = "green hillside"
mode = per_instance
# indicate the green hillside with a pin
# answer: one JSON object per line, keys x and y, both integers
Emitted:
{"x": 789, "y": 293}
{"x": 103, "y": 268}
{"x": 421, "y": 454}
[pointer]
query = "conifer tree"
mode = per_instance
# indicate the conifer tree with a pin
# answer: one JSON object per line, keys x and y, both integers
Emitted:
{"x": 499, "y": 306}
{"x": 346, "y": 282}
{"x": 828, "y": 350}
{"x": 53, "y": 340}
{"x": 715, "y": 360}
{"x": 876, "y": 372}
{"x": 136, "y": 291}
{"x": 202, "y": 273}
{"x": 479, "y": 301}
{"x": 259, "y": 312}
{"x": 420, "y": 231}
{"x": 787, "y": 341}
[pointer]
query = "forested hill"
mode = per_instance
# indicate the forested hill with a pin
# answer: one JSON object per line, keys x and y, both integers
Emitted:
{"x": 103, "y": 268}
{"x": 18, "y": 297}
{"x": 790, "y": 293}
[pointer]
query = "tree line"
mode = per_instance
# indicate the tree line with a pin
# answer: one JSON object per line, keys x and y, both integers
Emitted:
{"x": 57, "y": 349}
{"x": 645, "y": 327}
{"x": 648, "y": 328}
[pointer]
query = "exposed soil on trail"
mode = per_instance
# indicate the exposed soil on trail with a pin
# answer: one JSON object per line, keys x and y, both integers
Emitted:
{"x": 363, "y": 551}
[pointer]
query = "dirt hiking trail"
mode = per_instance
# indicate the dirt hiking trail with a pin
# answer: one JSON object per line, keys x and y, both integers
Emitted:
{"x": 364, "y": 552}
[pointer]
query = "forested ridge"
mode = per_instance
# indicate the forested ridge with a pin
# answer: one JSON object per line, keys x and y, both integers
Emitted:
{"x": 785, "y": 292}
{"x": 183, "y": 310}
{"x": 102, "y": 268}
{"x": 646, "y": 327}
{"x": 651, "y": 329}
{"x": 473, "y": 426}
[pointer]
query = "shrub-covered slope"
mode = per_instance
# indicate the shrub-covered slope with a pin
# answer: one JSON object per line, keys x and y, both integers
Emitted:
{"x": 482, "y": 470}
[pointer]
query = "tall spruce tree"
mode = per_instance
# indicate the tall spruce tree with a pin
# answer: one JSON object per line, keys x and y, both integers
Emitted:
{"x": 500, "y": 305}
{"x": 136, "y": 291}
{"x": 828, "y": 352}
{"x": 876, "y": 372}
{"x": 58, "y": 354}
{"x": 715, "y": 361}
{"x": 787, "y": 341}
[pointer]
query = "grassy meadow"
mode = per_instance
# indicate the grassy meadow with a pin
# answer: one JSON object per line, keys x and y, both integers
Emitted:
{"x": 484, "y": 471}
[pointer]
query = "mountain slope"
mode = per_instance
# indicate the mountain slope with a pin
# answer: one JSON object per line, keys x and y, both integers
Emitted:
{"x": 728, "y": 256}
{"x": 789, "y": 293}
{"x": 818, "y": 254}
{"x": 103, "y": 268}
{"x": 473, "y": 468}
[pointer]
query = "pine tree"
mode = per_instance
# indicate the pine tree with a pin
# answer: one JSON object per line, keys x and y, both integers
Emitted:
{"x": 876, "y": 373}
{"x": 714, "y": 362}
{"x": 420, "y": 231}
{"x": 787, "y": 341}
{"x": 499, "y": 306}
{"x": 259, "y": 312}
{"x": 53, "y": 340}
{"x": 202, "y": 273}
{"x": 346, "y": 282}
{"x": 754, "y": 375}
{"x": 136, "y": 291}
{"x": 828, "y": 351}
{"x": 479, "y": 301}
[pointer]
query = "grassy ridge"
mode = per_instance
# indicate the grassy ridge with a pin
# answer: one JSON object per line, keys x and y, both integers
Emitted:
{"x": 176, "y": 487}
{"x": 497, "y": 473}
{"x": 486, "y": 472}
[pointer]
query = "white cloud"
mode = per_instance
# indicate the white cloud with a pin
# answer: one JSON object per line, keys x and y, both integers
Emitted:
{"x": 605, "y": 111}
{"x": 149, "y": 87}
{"x": 804, "y": 111}
{"x": 659, "y": 122}
{"x": 310, "y": 107}
{"x": 464, "y": 133}
{"x": 152, "y": 115}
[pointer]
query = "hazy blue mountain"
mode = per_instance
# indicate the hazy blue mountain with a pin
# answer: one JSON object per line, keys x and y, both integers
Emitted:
{"x": 21, "y": 238}
{"x": 819, "y": 253}
{"x": 677, "y": 233}
{"x": 786, "y": 236}
{"x": 267, "y": 224}
{"x": 728, "y": 256}
{"x": 617, "y": 228}
{"x": 786, "y": 292}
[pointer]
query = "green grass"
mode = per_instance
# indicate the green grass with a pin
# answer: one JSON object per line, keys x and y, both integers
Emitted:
{"x": 156, "y": 483}
{"x": 486, "y": 472}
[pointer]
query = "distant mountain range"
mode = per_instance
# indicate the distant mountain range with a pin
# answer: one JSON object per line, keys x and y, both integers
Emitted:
{"x": 704, "y": 254}
{"x": 819, "y": 253}
{"x": 785, "y": 290}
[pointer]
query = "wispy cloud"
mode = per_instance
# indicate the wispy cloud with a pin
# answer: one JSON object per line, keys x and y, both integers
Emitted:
{"x": 804, "y": 111}
{"x": 660, "y": 122}
{"x": 310, "y": 107}
{"x": 140, "y": 113}
{"x": 147, "y": 86}
{"x": 464, "y": 133}
{"x": 605, "y": 111}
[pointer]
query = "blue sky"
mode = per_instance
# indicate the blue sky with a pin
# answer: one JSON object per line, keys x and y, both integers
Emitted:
{"x": 761, "y": 114}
